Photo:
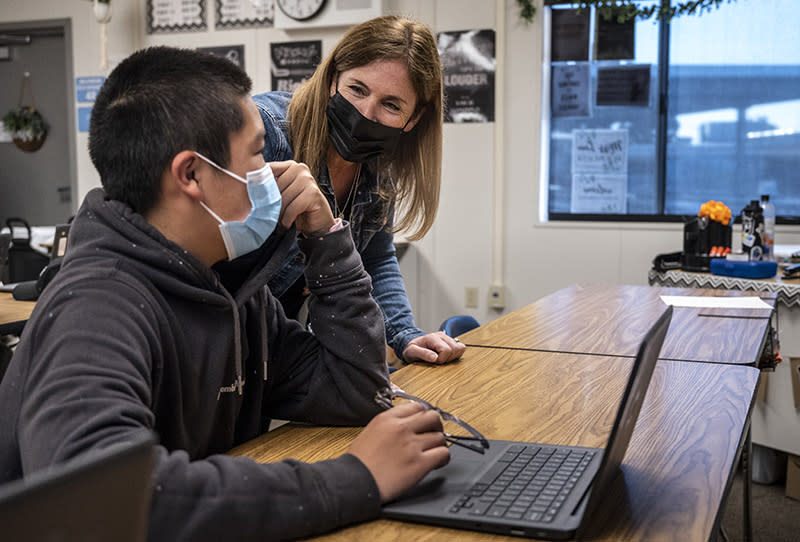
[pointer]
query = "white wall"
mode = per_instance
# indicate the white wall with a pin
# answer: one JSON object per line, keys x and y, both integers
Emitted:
{"x": 537, "y": 258}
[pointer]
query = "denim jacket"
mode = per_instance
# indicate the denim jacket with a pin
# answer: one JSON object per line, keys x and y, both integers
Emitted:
{"x": 371, "y": 222}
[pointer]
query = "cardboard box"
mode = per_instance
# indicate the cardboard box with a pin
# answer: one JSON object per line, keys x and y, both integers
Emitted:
{"x": 795, "y": 365}
{"x": 793, "y": 477}
{"x": 761, "y": 391}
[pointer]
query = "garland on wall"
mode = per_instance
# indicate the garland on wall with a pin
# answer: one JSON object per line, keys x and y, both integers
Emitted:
{"x": 625, "y": 10}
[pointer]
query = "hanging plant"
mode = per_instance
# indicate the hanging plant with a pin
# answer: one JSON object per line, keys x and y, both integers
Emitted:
{"x": 625, "y": 10}
{"x": 526, "y": 10}
{"x": 27, "y": 126}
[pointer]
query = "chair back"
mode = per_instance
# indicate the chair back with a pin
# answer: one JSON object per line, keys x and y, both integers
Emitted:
{"x": 457, "y": 325}
{"x": 5, "y": 244}
{"x": 24, "y": 262}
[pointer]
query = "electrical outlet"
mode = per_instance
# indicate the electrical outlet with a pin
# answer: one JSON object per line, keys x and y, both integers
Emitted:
{"x": 497, "y": 297}
{"x": 471, "y": 295}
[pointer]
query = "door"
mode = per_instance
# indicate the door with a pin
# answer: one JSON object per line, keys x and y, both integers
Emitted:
{"x": 38, "y": 186}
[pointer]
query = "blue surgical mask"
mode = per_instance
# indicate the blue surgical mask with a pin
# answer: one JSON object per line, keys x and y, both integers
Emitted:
{"x": 265, "y": 200}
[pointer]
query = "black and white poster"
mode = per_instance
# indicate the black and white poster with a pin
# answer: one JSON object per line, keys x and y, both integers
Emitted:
{"x": 234, "y": 53}
{"x": 164, "y": 16}
{"x": 244, "y": 13}
{"x": 469, "y": 65}
{"x": 293, "y": 62}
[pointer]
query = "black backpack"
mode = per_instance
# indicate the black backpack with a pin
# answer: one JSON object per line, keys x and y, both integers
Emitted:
{"x": 24, "y": 263}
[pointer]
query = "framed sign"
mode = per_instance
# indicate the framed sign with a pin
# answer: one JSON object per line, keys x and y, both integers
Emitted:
{"x": 164, "y": 16}
{"x": 244, "y": 13}
{"x": 293, "y": 62}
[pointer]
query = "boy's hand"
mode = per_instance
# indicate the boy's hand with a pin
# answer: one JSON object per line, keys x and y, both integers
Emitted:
{"x": 400, "y": 446}
{"x": 303, "y": 203}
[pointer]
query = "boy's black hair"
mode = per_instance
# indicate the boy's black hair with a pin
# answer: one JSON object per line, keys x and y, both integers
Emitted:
{"x": 156, "y": 103}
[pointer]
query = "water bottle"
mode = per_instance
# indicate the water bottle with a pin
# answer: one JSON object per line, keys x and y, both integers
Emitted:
{"x": 768, "y": 209}
{"x": 753, "y": 231}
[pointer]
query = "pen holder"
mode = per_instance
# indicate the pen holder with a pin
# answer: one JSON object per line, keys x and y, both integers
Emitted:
{"x": 700, "y": 236}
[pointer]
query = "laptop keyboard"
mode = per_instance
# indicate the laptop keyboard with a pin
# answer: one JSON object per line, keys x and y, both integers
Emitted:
{"x": 526, "y": 482}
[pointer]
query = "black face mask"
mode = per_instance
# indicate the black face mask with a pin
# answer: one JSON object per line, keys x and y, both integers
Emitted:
{"x": 355, "y": 137}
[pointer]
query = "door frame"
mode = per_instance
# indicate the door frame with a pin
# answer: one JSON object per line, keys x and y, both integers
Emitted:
{"x": 65, "y": 25}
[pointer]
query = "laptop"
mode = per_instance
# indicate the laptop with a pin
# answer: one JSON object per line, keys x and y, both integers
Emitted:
{"x": 527, "y": 489}
{"x": 100, "y": 495}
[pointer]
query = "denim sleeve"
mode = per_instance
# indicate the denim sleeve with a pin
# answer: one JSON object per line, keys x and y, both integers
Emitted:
{"x": 389, "y": 291}
{"x": 272, "y": 107}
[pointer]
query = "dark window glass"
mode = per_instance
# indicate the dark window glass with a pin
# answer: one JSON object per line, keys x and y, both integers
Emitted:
{"x": 728, "y": 130}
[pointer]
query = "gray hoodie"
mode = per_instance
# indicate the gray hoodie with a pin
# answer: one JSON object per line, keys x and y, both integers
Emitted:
{"x": 134, "y": 332}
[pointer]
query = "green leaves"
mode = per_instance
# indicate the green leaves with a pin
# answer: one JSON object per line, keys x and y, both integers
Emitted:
{"x": 26, "y": 123}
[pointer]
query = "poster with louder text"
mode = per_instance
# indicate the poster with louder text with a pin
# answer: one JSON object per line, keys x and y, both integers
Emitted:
{"x": 293, "y": 62}
{"x": 469, "y": 64}
{"x": 599, "y": 171}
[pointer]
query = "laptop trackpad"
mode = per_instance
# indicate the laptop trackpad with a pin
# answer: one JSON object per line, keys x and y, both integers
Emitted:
{"x": 448, "y": 482}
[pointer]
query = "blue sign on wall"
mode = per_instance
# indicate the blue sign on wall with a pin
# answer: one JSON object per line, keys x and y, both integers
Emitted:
{"x": 86, "y": 88}
{"x": 84, "y": 114}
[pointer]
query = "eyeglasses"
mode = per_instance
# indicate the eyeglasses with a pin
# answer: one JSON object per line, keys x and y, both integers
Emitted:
{"x": 476, "y": 442}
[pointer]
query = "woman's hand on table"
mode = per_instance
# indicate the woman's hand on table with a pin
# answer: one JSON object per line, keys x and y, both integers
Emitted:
{"x": 435, "y": 347}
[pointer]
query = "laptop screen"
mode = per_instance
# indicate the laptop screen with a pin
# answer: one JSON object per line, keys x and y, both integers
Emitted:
{"x": 628, "y": 412}
{"x": 98, "y": 496}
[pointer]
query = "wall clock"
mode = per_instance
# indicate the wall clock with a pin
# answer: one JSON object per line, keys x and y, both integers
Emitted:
{"x": 297, "y": 14}
{"x": 301, "y": 10}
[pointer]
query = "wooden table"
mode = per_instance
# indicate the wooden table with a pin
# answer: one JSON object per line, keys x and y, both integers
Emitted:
{"x": 611, "y": 320}
{"x": 675, "y": 474}
{"x": 13, "y": 313}
{"x": 776, "y": 419}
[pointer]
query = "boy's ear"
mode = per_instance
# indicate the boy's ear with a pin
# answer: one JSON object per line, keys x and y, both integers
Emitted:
{"x": 183, "y": 170}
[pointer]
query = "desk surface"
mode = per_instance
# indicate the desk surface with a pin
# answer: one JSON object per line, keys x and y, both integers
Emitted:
{"x": 611, "y": 320}
{"x": 12, "y": 310}
{"x": 680, "y": 459}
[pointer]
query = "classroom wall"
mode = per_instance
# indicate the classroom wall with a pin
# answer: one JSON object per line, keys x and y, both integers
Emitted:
{"x": 532, "y": 259}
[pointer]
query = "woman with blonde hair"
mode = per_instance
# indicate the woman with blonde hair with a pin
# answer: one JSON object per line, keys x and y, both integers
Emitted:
{"x": 368, "y": 124}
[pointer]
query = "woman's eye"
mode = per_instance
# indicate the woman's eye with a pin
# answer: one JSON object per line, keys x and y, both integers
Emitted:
{"x": 357, "y": 90}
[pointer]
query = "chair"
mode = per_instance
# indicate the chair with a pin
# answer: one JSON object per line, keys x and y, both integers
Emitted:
{"x": 456, "y": 325}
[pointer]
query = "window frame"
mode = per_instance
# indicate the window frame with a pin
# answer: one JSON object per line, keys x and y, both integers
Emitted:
{"x": 661, "y": 144}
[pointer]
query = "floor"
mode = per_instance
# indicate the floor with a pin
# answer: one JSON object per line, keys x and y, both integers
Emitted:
{"x": 775, "y": 517}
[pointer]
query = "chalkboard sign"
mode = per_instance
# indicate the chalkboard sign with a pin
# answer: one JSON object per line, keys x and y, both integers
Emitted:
{"x": 293, "y": 62}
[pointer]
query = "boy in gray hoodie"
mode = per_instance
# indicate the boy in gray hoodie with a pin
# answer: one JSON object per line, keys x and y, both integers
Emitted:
{"x": 146, "y": 326}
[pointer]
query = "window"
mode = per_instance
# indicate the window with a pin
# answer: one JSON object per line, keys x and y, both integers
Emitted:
{"x": 647, "y": 120}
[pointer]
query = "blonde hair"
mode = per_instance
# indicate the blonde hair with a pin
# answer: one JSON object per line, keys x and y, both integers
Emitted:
{"x": 414, "y": 171}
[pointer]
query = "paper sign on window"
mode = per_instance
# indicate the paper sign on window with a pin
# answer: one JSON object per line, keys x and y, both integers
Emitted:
{"x": 599, "y": 171}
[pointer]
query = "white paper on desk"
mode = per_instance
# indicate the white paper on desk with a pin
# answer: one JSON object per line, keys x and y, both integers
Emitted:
{"x": 745, "y": 302}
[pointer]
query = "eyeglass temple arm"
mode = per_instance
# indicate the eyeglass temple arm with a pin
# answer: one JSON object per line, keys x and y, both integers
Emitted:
{"x": 384, "y": 398}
